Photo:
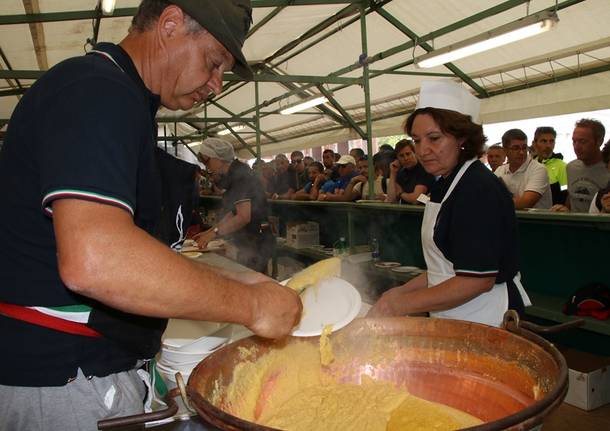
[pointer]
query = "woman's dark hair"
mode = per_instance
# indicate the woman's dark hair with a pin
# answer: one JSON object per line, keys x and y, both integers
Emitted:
{"x": 459, "y": 126}
{"x": 382, "y": 161}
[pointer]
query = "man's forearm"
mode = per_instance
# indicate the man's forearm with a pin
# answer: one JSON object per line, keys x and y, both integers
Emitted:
{"x": 104, "y": 256}
{"x": 230, "y": 223}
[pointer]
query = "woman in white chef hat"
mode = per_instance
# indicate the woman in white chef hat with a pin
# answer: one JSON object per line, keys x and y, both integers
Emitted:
{"x": 469, "y": 229}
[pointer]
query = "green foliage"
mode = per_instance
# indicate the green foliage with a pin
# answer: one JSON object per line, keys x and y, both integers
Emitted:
{"x": 391, "y": 140}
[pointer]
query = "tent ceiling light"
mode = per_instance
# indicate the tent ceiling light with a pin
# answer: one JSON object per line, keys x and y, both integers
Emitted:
{"x": 523, "y": 28}
{"x": 306, "y": 104}
{"x": 235, "y": 128}
{"x": 107, "y": 6}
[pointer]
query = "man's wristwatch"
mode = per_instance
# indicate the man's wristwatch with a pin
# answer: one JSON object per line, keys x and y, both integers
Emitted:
{"x": 216, "y": 232}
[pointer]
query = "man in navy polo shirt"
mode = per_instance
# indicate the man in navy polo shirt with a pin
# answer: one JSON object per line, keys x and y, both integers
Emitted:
{"x": 246, "y": 211}
{"x": 84, "y": 288}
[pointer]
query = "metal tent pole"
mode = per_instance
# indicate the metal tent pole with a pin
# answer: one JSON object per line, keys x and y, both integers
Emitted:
{"x": 367, "y": 101}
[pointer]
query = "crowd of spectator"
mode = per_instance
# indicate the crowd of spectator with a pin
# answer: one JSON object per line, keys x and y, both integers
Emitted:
{"x": 533, "y": 173}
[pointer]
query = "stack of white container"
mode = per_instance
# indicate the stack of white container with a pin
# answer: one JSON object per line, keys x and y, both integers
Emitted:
{"x": 183, "y": 354}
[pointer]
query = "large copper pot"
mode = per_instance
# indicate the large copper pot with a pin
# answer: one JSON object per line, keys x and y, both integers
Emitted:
{"x": 510, "y": 380}
{"x": 508, "y": 377}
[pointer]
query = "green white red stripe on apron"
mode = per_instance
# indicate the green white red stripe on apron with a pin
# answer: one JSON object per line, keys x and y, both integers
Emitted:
{"x": 69, "y": 319}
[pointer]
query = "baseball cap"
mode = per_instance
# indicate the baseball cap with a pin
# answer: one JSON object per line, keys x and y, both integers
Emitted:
{"x": 347, "y": 159}
{"x": 217, "y": 149}
{"x": 228, "y": 21}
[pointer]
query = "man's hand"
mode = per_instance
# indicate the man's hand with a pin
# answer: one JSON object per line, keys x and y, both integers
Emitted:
{"x": 277, "y": 309}
{"x": 560, "y": 208}
{"x": 384, "y": 307}
{"x": 394, "y": 167}
{"x": 359, "y": 179}
{"x": 606, "y": 203}
{"x": 204, "y": 238}
{"x": 320, "y": 178}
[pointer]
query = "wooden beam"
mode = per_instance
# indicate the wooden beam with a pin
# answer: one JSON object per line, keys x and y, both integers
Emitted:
{"x": 37, "y": 32}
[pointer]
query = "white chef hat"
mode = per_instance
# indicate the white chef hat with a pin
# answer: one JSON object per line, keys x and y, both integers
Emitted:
{"x": 447, "y": 94}
{"x": 218, "y": 149}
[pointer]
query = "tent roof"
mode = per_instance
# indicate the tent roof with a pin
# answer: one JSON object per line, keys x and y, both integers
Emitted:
{"x": 561, "y": 71}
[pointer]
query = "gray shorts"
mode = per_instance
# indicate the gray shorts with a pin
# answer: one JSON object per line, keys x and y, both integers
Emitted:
{"x": 76, "y": 406}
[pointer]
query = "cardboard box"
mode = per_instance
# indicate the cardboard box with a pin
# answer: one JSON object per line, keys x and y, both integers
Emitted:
{"x": 589, "y": 379}
{"x": 302, "y": 235}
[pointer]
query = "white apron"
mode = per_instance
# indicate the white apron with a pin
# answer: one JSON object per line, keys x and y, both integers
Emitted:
{"x": 488, "y": 307}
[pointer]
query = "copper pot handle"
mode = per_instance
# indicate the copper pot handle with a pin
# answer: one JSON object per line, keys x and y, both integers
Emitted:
{"x": 182, "y": 389}
{"x": 513, "y": 323}
{"x": 171, "y": 410}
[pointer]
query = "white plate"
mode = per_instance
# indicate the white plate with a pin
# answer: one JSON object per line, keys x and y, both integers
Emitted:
{"x": 386, "y": 265}
{"x": 215, "y": 244}
{"x": 406, "y": 269}
{"x": 172, "y": 356}
{"x": 191, "y": 254}
{"x": 188, "y": 248}
{"x": 332, "y": 302}
{"x": 368, "y": 201}
{"x": 202, "y": 345}
{"x": 539, "y": 210}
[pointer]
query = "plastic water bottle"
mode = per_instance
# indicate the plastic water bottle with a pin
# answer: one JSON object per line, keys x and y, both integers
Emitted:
{"x": 375, "y": 250}
{"x": 340, "y": 247}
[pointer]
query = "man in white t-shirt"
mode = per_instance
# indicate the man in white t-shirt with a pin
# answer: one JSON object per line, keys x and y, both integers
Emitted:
{"x": 525, "y": 178}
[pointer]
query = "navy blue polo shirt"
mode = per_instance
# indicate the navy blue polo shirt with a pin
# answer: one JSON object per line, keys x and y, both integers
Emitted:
{"x": 284, "y": 181}
{"x": 84, "y": 130}
{"x": 407, "y": 179}
{"x": 476, "y": 228}
{"x": 243, "y": 185}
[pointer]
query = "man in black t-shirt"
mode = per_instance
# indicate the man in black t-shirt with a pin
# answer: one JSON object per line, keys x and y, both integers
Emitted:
{"x": 297, "y": 169}
{"x": 285, "y": 182}
{"x": 408, "y": 179}
{"x": 245, "y": 204}
{"x": 85, "y": 289}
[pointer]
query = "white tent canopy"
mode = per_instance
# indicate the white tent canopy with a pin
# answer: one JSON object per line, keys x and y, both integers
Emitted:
{"x": 564, "y": 70}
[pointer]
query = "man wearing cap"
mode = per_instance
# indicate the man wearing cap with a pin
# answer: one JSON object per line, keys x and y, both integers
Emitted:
{"x": 332, "y": 191}
{"x": 85, "y": 289}
{"x": 245, "y": 203}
